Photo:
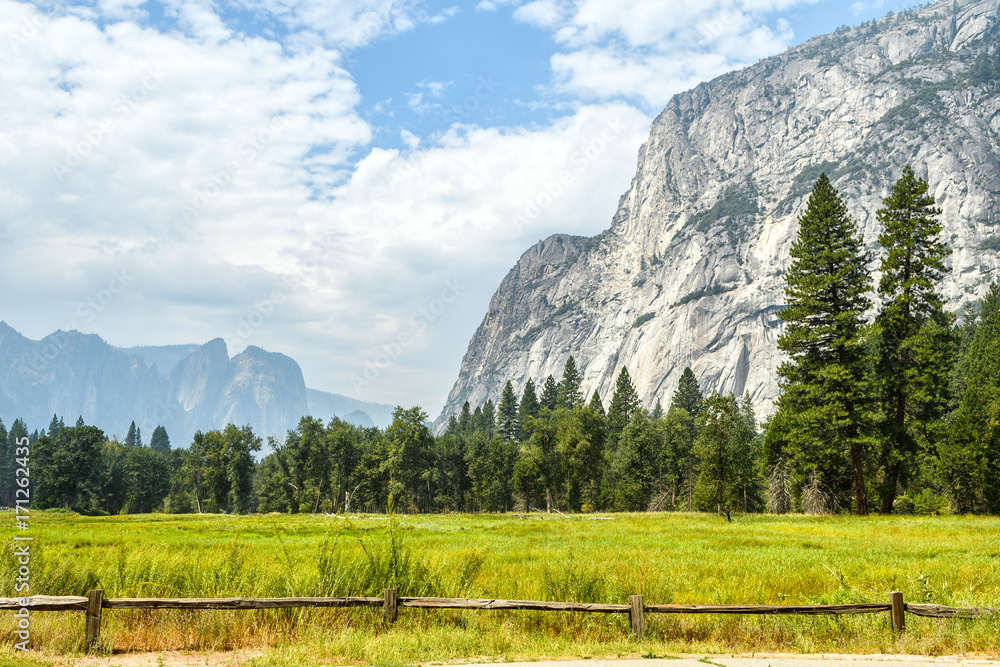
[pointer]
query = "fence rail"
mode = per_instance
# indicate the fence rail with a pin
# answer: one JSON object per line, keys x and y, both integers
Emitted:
{"x": 95, "y": 603}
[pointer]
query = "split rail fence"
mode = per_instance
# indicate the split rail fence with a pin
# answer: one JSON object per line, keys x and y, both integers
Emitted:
{"x": 95, "y": 603}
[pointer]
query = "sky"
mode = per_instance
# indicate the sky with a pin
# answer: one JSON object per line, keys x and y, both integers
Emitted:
{"x": 342, "y": 181}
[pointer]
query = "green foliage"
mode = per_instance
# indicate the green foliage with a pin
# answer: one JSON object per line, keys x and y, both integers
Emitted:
{"x": 67, "y": 469}
{"x": 508, "y": 424}
{"x": 528, "y": 407}
{"x": 550, "y": 394}
{"x": 970, "y": 457}
{"x": 642, "y": 319}
{"x": 738, "y": 199}
{"x": 568, "y": 392}
{"x": 688, "y": 396}
{"x": 633, "y": 463}
{"x": 915, "y": 332}
{"x": 824, "y": 405}
{"x": 624, "y": 402}
{"x": 160, "y": 441}
{"x": 726, "y": 450}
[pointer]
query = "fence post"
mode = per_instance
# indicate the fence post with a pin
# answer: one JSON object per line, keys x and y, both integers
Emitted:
{"x": 389, "y": 603}
{"x": 898, "y": 612}
{"x": 637, "y": 615}
{"x": 93, "y": 633}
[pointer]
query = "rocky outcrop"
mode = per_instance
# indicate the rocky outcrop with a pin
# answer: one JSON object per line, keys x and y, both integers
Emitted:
{"x": 690, "y": 271}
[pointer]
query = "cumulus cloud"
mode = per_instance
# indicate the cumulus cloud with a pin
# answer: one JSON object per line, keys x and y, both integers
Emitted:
{"x": 647, "y": 51}
{"x": 217, "y": 174}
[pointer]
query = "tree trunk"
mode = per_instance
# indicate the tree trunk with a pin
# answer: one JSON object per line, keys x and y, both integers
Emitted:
{"x": 548, "y": 500}
{"x": 860, "y": 495}
{"x": 889, "y": 496}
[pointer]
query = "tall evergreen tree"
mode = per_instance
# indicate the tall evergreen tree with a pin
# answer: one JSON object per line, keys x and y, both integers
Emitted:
{"x": 595, "y": 403}
{"x": 53, "y": 427}
{"x": 970, "y": 459}
{"x": 130, "y": 439}
{"x": 528, "y": 407}
{"x": 624, "y": 402}
{"x": 550, "y": 394}
{"x": 489, "y": 417}
{"x": 688, "y": 395}
{"x": 825, "y": 385}
{"x": 508, "y": 425}
{"x": 465, "y": 422}
{"x": 569, "y": 395}
{"x": 159, "y": 441}
{"x": 914, "y": 328}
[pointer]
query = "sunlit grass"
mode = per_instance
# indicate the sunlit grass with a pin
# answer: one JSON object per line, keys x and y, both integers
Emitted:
{"x": 667, "y": 558}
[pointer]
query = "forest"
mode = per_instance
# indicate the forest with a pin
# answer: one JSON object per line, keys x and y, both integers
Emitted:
{"x": 893, "y": 408}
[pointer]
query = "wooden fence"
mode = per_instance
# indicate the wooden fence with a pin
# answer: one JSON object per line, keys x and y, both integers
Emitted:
{"x": 95, "y": 603}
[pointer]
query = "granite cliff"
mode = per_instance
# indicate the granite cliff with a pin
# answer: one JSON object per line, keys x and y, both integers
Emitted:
{"x": 690, "y": 271}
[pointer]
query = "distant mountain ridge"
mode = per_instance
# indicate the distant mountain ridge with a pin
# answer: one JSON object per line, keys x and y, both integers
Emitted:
{"x": 185, "y": 388}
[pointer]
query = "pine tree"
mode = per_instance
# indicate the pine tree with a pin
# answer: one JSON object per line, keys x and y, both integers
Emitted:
{"x": 79, "y": 421}
{"x": 527, "y": 409}
{"x": 508, "y": 424}
{"x": 825, "y": 388}
{"x": 138, "y": 437}
{"x": 159, "y": 441}
{"x": 569, "y": 395}
{"x": 529, "y": 401}
{"x": 688, "y": 395}
{"x": 970, "y": 458}
{"x": 550, "y": 394}
{"x": 914, "y": 328}
{"x": 53, "y": 427}
{"x": 465, "y": 422}
{"x": 624, "y": 402}
{"x": 130, "y": 438}
{"x": 657, "y": 411}
{"x": 489, "y": 417}
{"x": 596, "y": 404}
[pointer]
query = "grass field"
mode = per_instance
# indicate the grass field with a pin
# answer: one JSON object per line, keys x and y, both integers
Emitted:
{"x": 667, "y": 558}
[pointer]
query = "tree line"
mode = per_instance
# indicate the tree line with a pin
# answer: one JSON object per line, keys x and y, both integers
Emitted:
{"x": 888, "y": 409}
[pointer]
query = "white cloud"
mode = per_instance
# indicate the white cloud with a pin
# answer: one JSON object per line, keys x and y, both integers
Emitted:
{"x": 542, "y": 13}
{"x": 647, "y": 51}
{"x": 207, "y": 167}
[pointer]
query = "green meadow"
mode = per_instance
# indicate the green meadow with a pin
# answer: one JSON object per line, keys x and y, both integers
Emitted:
{"x": 667, "y": 558}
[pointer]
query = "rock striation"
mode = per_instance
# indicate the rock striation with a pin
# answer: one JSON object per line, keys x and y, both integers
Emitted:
{"x": 690, "y": 273}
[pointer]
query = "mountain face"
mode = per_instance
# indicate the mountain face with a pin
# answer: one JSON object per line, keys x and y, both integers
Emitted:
{"x": 690, "y": 271}
{"x": 198, "y": 387}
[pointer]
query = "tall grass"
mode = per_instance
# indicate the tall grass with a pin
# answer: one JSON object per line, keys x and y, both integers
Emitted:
{"x": 667, "y": 558}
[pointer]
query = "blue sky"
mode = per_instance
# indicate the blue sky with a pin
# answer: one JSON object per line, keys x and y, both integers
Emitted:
{"x": 343, "y": 181}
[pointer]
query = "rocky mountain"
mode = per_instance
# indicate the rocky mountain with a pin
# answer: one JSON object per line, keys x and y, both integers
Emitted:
{"x": 690, "y": 271}
{"x": 184, "y": 388}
